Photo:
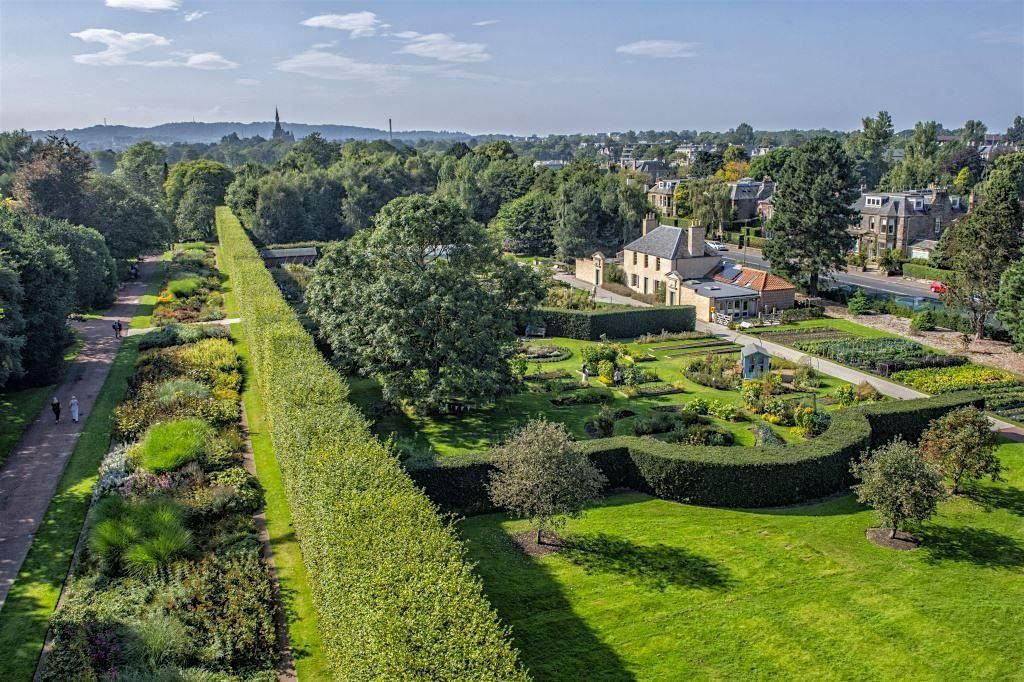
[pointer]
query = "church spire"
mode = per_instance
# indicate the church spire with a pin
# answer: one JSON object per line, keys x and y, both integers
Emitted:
{"x": 277, "y": 117}
{"x": 279, "y": 132}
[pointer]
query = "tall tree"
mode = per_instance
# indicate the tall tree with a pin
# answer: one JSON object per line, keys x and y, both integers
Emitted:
{"x": 973, "y": 133}
{"x": 425, "y": 302}
{"x": 1015, "y": 133}
{"x": 16, "y": 148}
{"x": 962, "y": 445}
{"x": 131, "y": 224}
{"x": 539, "y": 474}
{"x": 141, "y": 166}
{"x": 769, "y": 165}
{"x": 1010, "y": 302}
{"x": 52, "y": 184}
{"x": 705, "y": 163}
{"x": 12, "y": 322}
{"x": 526, "y": 223}
{"x": 95, "y": 273}
{"x": 194, "y": 189}
{"x": 813, "y": 203}
{"x": 743, "y": 135}
{"x": 710, "y": 203}
{"x": 982, "y": 245}
{"x": 869, "y": 147}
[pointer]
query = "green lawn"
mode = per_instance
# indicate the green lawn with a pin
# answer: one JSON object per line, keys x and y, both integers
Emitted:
{"x": 455, "y": 435}
{"x": 25, "y": 616}
{"x": 19, "y": 408}
{"x": 836, "y": 323}
{"x": 310, "y": 664}
{"x": 658, "y": 590}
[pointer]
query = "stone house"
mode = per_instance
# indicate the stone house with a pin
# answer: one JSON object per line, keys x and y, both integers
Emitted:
{"x": 745, "y": 195}
{"x": 662, "y": 196}
{"x": 902, "y": 220}
{"x": 774, "y": 293}
{"x": 709, "y": 297}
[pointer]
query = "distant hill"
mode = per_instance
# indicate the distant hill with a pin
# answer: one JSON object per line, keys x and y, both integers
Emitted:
{"x": 119, "y": 137}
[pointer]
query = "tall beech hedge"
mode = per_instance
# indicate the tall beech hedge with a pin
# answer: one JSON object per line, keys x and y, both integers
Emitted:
{"x": 720, "y": 476}
{"x": 394, "y": 597}
{"x": 617, "y": 324}
{"x": 918, "y": 271}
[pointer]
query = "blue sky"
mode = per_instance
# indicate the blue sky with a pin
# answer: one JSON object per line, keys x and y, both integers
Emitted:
{"x": 519, "y": 67}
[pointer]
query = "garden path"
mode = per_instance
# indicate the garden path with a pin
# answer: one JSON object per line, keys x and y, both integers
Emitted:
{"x": 31, "y": 473}
{"x": 601, "y": 295}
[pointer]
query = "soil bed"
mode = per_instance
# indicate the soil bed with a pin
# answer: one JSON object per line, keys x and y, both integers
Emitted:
{"x": 902, "y": 541}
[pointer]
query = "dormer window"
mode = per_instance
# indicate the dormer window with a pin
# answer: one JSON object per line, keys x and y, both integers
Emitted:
{"x": 873, "y": 201}
{"x": 955, "y": 201}
{"x": 918, "y": 204}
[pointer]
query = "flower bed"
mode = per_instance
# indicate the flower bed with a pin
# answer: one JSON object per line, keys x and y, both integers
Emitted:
{"x": 194, "y": 291}
{"x": 863, "y": 353}
{"x": 171, "y": 579}
{"x": 959, "y": 378}
{"x": 788, "y": 337}
{"x": 536, "y": 352}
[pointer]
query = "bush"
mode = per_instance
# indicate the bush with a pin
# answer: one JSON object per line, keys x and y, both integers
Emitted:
{"x": 169, "y": 445}
{"x": 858, "y": 304}
{"x": 738, "y": 476}
{"x": 812, "y": 312}
{"x": 140, "y": 537}
{"x": 393, "y": 596}
{"x": 635, "y": 375}
{"x": 917, "y": 271}
{"x": 600, "y": 425}
{"x": 591, "y": 325}
{"x": 175, "y": 335}
{"x": 657, "y": 422}
{"x": 923, "y": 321}
{"x": 183, "y": 288}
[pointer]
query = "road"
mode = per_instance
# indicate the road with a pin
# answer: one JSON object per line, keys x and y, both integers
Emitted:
{"x": 864, "y": 280}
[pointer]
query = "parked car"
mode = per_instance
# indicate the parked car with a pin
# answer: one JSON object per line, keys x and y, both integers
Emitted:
{"x": 717, "y": 246}
{"x": 938, "y": 288}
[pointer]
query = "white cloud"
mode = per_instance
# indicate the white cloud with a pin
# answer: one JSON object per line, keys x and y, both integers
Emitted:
{"x": 145, "y": 5}
{"x": 659, "y": 49}
{"x": 487, "y": 22}
{"x": 442, "y": 46}
{"x": 119, "y": 48}
{"x": 329, "y": 66}
{"x": 358, "y": 24}
{"x": 194, "y": 16}
{"x": 118, "y": 45}
{"x": 248, "y": 81}
{"x": 1000, "y": 36}
{"x": 207, "y": 61}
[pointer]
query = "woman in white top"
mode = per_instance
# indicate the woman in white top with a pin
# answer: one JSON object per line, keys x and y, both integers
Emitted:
{"x": 74, "y": 408}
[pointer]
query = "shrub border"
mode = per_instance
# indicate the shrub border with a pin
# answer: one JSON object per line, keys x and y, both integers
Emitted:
{"x": 590, "y": 325}
{"x": 718, "y": 476}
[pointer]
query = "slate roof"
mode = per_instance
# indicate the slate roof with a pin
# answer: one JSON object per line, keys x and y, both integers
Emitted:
{"x": 747, "y": 189}
{"x": 715, "y": 290}
{"x": 752, "y": 348}
{"x": 664, "y": 241}
{"x": 899, "y": 203}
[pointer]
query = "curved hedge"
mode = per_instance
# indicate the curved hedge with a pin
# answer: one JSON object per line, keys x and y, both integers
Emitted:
{"x": 394, "y": 598}
{"x": 590, "y": 325}
{"x": 720, "y": 476}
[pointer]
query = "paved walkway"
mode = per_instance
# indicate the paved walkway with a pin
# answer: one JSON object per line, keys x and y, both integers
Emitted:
{"x": 600, "y": 295}
{"x": 31, "y": 473}
{"x": 227, "y": 322}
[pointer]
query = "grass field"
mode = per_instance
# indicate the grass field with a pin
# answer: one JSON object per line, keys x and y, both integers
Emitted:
{"x": 658, "y": 590}
{"x": 451, "y": 436}
{"x": 303, "y": 635}
{"x": 836, "y": 323}
{"x": 25, "y": 616}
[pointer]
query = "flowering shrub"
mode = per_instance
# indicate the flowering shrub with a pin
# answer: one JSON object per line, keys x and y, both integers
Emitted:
{"x": 776, "y": 411}
{"x": 948, "y": 379}
{"x": 634, "y": 376}
{"x": 698, "y": 405}
{"x": 726, "y": 411}
{"x": 808, "y": 423}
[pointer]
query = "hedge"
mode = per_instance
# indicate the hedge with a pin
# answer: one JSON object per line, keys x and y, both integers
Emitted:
{"x": 756, "y": 242}
{"x": 720, "y": 476}
{"x": 590, "y": 325}
{"x": 917, "y": 271}
{"x": 394, "y": 596}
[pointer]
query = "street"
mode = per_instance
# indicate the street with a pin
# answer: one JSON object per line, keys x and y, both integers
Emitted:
{"x": 871, "y": 282}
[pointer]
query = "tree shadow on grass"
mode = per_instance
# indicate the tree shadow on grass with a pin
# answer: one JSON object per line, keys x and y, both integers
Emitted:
{"x": 1011, "y": 499}
{"x": 978, "y": 546}
{"x": 655, "y": 566}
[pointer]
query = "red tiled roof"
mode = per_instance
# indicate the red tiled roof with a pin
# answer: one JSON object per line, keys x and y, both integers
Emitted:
{"x": 758, "y": 280}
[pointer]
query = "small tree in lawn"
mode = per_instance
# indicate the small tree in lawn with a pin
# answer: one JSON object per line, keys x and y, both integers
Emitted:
{"x": 898, "y": 484}
{"x": 540, "y": 474}
{"x": 858, "y": 304}
{"x": 962, "y": 445}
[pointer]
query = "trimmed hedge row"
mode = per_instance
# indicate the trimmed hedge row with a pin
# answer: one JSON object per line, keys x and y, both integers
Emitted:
{"x": 394, "y": 597}
{"x": 590, "y": 325}
{"x": 917, "y": 271}
{"x": 721, "y": 476}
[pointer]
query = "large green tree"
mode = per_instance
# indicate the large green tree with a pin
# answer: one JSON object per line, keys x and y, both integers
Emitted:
{"x": 1010, "y": 302}
{"x": 131, "y": 223}
{"x": 526, "y": 223}
{"x": 52, "y": 183}
{"x": 868, "y": 148}
{"x": 425, "y": 303}
{"x": 12, "y": 322}
{"x": 962, "y": 445}
{"x": 980, "y": 248}
{"x": 973, "y": 132}
{"x": 769, "y": 165}
{"x": 142, "y": 168}
{"x": 95, "y": 273}
{"x": 193, "y": 190}
{"x": 813, "y": 212}
{"x": 710, "y": 204}
{"x": 16, "y": 148}
{"x": 898, "y": 485}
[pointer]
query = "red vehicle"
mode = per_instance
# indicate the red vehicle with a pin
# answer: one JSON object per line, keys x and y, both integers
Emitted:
{"x": 938, "y": 287}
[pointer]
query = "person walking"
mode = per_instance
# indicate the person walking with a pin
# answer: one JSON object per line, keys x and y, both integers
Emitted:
{"x": 73, "y": 404}
{"x": 117, "y": 327}
{"x": 55, "y": 406}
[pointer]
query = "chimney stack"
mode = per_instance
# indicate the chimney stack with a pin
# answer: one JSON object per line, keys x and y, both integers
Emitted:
{"x": 695, "y": 239}
{"x": 649, "y": 223}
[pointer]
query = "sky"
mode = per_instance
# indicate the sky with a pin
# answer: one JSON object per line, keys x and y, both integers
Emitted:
{"x": 511, "y": 67}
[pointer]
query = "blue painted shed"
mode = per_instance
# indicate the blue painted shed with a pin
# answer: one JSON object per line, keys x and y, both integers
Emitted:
{"x": 756, "y": 361}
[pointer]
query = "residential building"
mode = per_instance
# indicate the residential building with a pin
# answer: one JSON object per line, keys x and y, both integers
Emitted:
{"x": 654, "y": 168}
{"x": 774, "y": 293}
{"x": 709, "y": 298}
{"x": 745, "y": 195}
{"x": 662, "y": 196}
{"x": 903, "y": 220}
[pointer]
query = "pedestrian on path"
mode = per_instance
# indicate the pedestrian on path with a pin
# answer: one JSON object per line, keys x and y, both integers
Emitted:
{"x": 55, "y": 406}
{"x": 117, "y": 326}
{"x": 73, "y": 404}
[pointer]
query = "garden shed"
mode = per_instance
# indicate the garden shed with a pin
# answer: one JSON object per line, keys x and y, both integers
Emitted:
{"x": 756, "y": 361}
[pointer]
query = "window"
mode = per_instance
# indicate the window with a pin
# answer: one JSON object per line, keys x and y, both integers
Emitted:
{"x": 873, "y": 201}
{"x": 872, "y": 224}
{"x": 645, "y": 285}
{"x": 634, "y": 263}
{"x": 645, "y": 260}
{"x": 938, "y": 225}
{"x": 657, "y": 261}
{"x": 635, "y": 280}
